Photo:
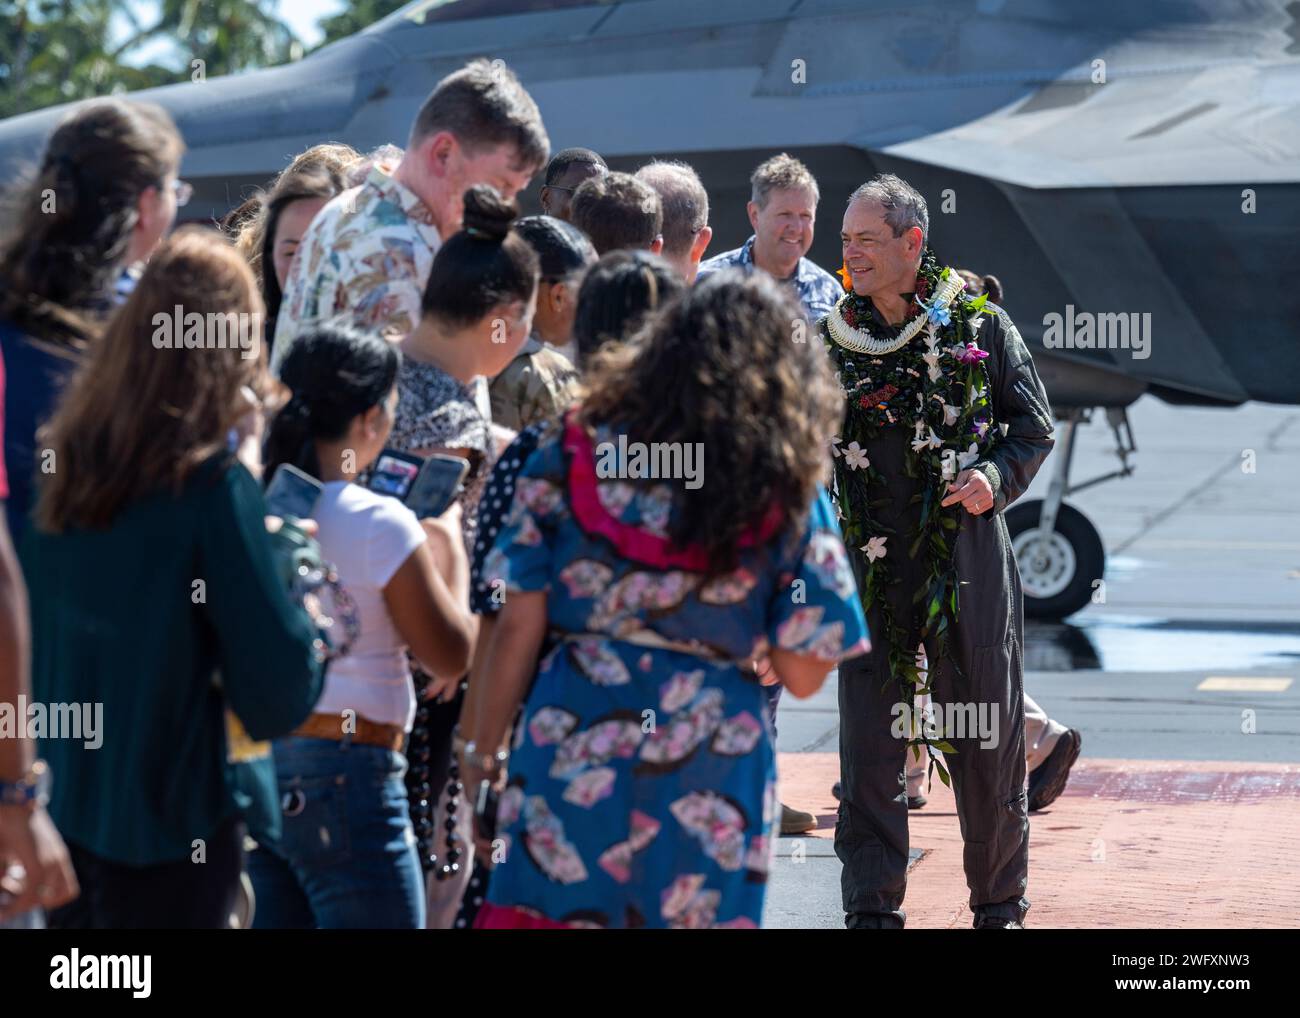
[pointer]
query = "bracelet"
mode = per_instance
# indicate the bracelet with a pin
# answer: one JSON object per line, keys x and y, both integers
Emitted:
{"x": 489, "y": 763}
{"x": 31, "y": 791}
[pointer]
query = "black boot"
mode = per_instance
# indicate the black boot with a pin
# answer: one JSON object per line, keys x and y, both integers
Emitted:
{"x": 870, "y": 921}
{"x": 994, "y": 922}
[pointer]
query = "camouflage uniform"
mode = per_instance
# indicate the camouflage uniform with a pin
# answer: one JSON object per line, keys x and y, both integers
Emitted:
{"x": 538, "y": 384}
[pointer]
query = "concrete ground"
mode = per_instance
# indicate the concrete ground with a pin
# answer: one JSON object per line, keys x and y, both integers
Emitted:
{"x": 1184, "y": 807}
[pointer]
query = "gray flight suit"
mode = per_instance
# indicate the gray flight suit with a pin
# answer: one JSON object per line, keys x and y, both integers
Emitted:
{"x": 987, "y": 643}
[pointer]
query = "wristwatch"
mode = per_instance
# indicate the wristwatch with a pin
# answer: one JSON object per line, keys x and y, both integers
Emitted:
{"x": 32, "y": 790}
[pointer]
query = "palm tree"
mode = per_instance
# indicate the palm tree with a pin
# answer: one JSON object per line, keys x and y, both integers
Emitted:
{"x": 227, "y": 35}
{"x": 54, "y": 51}
{"x": 357, "y": 16}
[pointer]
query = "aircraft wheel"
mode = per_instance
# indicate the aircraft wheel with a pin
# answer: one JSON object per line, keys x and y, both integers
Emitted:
{"x": 1057, "y": 570}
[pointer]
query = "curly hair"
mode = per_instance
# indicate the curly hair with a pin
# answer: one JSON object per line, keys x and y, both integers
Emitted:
{"x": 616, "y": 295}
{"x": 733, "y": 366}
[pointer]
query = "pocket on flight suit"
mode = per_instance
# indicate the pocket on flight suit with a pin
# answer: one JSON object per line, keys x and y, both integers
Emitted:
{"x": 989, "y": 668}
{"x": 987, "y": 860}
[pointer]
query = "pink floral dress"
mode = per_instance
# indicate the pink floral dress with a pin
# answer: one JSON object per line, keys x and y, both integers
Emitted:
{"x": 642, "y": 780}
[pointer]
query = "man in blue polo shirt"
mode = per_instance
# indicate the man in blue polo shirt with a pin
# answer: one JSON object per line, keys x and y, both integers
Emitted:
{"x": 782, "y": 210}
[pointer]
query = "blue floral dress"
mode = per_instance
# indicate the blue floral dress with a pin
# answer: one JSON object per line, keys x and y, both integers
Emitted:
{"x": 641, "y": 788}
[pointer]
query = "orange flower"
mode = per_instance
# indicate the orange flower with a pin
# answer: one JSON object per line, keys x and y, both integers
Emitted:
{"x": 845, "y": 278}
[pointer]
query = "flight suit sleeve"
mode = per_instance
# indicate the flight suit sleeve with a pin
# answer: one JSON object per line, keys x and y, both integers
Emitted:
{"x": 1020, "y": 403}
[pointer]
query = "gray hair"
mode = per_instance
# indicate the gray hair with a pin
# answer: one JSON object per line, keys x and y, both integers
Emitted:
{"x": 778, "y": 173}
{"x": 685, "y": 202}
{"x": 904, "y": 207}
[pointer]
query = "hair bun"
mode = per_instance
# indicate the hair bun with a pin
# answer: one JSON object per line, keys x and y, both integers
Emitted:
{"x": 298, "y": 406}
{"x": 487, "y": 214}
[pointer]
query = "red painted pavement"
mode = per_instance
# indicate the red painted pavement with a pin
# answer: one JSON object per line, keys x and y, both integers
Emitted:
{"x": 1132, "y": 843}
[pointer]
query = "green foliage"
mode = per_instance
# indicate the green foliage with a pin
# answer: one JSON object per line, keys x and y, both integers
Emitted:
{"x": 227, "y": 35}
{"x": 53, "y": 52}
{"x": 57, "y": 51}
{"x": 358, "y": 15}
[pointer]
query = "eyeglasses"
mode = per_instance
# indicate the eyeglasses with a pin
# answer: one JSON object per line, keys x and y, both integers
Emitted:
{"x": 556, "y": 187}
{"x": 183, "y": 190}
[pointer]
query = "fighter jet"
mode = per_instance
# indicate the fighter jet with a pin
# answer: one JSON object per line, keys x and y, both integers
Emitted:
{"x": 1128, "y": 170}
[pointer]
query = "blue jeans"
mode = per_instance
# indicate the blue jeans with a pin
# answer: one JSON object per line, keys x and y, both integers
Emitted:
{"x": 346, "y": 858}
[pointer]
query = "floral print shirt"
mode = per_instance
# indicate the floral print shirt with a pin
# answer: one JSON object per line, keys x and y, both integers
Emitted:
{"x": 365, "y": 258}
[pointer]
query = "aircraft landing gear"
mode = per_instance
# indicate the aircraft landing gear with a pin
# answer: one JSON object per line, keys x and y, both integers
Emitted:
{"x": 1057, "y": 548}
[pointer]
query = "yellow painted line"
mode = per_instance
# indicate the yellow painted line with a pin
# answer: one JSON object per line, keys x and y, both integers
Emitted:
{"x": 1244, "y": 684}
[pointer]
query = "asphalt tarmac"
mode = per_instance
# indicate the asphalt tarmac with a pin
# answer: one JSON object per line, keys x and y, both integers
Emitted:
{"x": 1189, "y": 665}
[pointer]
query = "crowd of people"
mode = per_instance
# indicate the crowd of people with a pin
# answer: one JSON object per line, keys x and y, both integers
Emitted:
{"x": 552, "y": 702}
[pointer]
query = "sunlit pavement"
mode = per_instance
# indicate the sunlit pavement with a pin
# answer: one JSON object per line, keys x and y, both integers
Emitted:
{"x": 1131, "y": 843}
{"x": 1184, "y": 807}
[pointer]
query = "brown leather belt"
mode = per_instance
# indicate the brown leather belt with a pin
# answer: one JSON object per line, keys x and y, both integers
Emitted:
{"x": 352, "y": 729}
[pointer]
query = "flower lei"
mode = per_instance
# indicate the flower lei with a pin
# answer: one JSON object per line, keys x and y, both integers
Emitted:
{"x": 936, "y": 384}
{"x": 841, "y": 318}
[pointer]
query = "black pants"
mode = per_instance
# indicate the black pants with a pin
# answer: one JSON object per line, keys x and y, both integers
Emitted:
{"x": 871, "y": 837}
{"x": 166, "y": 896}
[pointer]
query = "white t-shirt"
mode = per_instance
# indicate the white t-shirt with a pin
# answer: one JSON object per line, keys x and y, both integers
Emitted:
{"x": 368, "y": 536}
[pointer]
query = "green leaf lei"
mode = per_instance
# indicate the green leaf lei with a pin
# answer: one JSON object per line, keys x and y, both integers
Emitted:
{"x": 938, "y": 388}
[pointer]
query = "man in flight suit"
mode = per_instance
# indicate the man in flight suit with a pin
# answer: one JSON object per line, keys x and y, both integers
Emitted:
{"x": 884, "y": 236}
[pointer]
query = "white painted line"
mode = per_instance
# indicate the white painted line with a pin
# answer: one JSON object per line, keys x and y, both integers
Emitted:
{"x": 1193, "y": 544}
{"x": 1244, "y": 684}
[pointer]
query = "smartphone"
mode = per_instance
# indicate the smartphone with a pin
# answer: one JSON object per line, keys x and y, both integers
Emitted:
{"x": 394, "y": 473}
{"x": 485, "y": 808}
{"x": 292, "y": 494}
{"x": 426, "y": 486}
{"x": 436, "y": 485}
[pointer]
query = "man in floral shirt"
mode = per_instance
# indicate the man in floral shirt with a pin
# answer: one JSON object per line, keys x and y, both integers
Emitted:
{"x": 367, "y": 254}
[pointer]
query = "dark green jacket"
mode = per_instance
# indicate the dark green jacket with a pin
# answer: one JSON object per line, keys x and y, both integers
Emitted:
{"x": 120, "y": 619}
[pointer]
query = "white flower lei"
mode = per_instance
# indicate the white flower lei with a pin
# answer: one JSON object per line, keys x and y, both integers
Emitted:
{"x": 862, "y": 341}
